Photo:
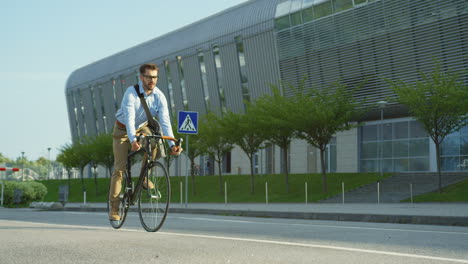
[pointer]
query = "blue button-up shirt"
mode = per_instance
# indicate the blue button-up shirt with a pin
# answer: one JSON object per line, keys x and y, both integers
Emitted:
{"x": 132, "y": 113}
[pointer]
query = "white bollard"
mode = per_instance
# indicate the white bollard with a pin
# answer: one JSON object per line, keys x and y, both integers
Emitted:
{"x": 225, "y": 193}
{"x": 84, "y": 197}
{"x": 266, "y": 192}
{"x": 378, "y": 192}
{"x": 306, "y": 191}
{"x": 181, "y": 193}
{"x": 342, "y": 191}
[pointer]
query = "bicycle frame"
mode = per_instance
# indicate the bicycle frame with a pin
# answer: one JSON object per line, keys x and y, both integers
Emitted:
{"x": 133, "y": 193}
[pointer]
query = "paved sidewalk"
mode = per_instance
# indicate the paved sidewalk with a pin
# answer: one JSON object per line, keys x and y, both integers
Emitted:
{"x": 405, "y": 213}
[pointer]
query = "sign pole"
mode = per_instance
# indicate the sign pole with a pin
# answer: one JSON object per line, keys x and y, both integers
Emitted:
{"x": 186, "y": 170}
{"x": 187, "y": 124}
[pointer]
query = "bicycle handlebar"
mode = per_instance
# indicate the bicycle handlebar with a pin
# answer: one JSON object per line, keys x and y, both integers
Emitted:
{"x": 178, "y": 142}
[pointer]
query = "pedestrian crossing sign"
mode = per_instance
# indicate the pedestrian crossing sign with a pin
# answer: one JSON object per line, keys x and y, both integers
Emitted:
{"x": 188, "y": 122}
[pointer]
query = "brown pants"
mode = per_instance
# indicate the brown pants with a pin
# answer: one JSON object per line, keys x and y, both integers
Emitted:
{"x": 121, "y": 146}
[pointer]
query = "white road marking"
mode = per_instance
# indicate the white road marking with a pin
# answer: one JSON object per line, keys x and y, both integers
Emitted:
{"x": 327, "y": 226}
{"x": 291, "y": 224}
{"x": 264, "y": 241}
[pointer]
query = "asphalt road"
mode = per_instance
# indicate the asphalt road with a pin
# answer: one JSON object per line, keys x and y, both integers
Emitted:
{"x": 30, "y": 236}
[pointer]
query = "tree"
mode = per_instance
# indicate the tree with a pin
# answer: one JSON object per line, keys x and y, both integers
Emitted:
{"x": 243, "y": 131}
{"x": 65, "y": 157}
{"x": 77, "y": 155}
{"x": 215, "y": 141}
{"x": 438, "y": 102}
{"x": 4, "y": 159}
{"x": 102, "y": 152}
{"x": 273, "y": 112}
{"x": 321, "y": 114}
{"x": 40, "y": 166}
{"x": 169, "y": 158}
{"x": 195, "y": 150}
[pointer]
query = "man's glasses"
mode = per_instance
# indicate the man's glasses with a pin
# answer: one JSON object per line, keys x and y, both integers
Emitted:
{"x": 150, "y": 77}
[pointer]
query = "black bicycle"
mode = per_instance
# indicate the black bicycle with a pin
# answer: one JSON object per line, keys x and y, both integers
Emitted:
{"x": 152, "y": 190}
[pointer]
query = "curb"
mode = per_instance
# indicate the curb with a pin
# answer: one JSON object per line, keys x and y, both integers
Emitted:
{"x": 376, "y": 218}
{"x": 373, "y": 218}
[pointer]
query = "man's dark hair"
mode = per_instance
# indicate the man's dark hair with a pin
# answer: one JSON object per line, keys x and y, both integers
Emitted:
{"x": 148, "y": 66}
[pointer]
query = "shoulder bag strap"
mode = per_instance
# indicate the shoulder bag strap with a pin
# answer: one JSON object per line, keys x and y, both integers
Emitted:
{"x": 151, "y": 122}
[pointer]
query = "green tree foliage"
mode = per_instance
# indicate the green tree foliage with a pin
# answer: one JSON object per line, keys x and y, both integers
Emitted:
{"x": 4, "y": 159}
{"x": 102, "y": 152}
{"x": 242, "y": 130}
{"x": 320, "y": 114}
{"x": 438, "y": 101}
{"x": 77, "y": 155}
{"x": 273, "y": 112}
{"x": 65, "y": 157}
{"x": 215, "y": 140}
{"x": 195, "y": 150}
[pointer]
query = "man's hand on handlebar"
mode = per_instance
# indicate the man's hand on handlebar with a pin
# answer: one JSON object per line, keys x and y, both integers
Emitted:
{"x": 176, "y": 150}
{"x": 135, "y": 145}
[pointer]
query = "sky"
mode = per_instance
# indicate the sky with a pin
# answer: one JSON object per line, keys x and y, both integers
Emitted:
{"x": 43, "y": 42}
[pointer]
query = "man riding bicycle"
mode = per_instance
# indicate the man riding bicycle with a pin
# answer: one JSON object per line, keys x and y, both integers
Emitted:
{"x": 131, "y": 120}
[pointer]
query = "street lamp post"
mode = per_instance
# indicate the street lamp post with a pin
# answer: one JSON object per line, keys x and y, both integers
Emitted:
{"x": 48, "y": 163}
{"x": 22, "y": 165}
{"x": 381, "y": 105}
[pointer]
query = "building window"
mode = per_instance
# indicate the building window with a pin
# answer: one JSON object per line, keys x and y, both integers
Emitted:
{"x": 169, "y": 87}
{"x": 226, "y": 165}
{"x": 219, "y": 79}
{"x": 270, "y": 158}
{"x": 93, "y": 100}
{"x": 454, "y": 151}
{"x": 341, "y": 5}
{"x": 180, "y": 64}
{"x": 114, "y": 92}
{"x": 103, "y": 111}
{"x": 243, "y": 70}
{"x": 330, "y": 155}
{"x": 81, "y": 108}
{"x": 206, "y": 94}
{"x": 322, "y": 8}
{"x": 75, "y": 113}
{"x": 394, "y": 147}
{"x": 122, "y": 84}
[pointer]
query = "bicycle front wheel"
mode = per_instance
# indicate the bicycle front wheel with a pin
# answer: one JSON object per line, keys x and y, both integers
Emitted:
{"x": 153, "y": 203}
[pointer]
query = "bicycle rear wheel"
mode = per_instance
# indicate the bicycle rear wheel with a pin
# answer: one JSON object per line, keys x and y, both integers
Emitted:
{"x": 153, "y": 204}
{"x": 123, "y": 204}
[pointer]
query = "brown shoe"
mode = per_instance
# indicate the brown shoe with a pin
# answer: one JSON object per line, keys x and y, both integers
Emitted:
{"x": 114, "y": 211}
{"x": 147, "y": 184}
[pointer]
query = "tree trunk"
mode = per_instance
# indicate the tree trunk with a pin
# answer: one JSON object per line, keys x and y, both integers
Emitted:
{"x": 69, "y": 182}
{"x": 437, "y": 145}
{"x": 192, "y": 173}
{"x": 252, "y": 179}
{"x": 286, "y": 167}
{"x": 83, "y": 187}
{"x": 220, "y": 178}
{"x": 95, "y": 181}
{"x": 324, "y": 170}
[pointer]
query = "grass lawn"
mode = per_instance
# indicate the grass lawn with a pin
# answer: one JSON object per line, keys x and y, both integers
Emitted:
{"x": 457, "y": 192}
{"x": 207, "y": 188}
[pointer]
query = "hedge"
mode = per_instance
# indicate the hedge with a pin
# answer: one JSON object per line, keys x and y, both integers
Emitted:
{"x": 32, "y": 192}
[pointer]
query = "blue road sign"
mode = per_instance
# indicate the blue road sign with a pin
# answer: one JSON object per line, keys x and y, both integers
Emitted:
{"x": 188, "y": 122}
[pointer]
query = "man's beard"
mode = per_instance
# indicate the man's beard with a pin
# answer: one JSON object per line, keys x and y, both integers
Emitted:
{"x": 149, "y": 87}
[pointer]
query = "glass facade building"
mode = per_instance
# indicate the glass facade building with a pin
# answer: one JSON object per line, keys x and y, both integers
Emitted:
{"x": 220, "y": 62}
